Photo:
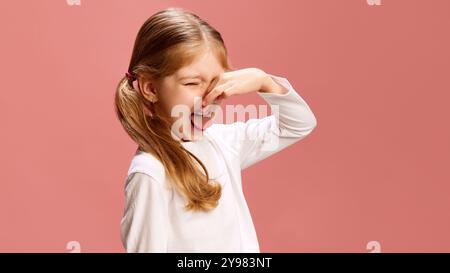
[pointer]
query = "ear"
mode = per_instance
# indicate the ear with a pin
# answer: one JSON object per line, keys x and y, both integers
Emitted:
{"x": 148, "y": 90}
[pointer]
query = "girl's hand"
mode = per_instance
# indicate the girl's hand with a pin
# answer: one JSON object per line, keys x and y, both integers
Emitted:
{"x": 240, "y": 82}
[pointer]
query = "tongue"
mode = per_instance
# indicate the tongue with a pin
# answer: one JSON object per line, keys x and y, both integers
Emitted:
{"x": 201, "y": 122}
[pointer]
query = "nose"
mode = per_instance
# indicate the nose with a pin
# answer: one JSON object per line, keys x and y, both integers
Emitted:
{"x": 210, "y": 87}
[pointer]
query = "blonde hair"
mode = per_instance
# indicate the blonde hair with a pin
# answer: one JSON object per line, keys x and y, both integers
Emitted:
{"x": 167, "y": 41}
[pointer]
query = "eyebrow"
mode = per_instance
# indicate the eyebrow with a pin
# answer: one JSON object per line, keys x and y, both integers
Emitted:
{"x": 195, "y": 77}
{"x": 191, "y": 77}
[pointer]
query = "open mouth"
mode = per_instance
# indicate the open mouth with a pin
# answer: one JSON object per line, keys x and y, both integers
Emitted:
{"x": 201, "y": 121}
{"x": 193, "y": 123}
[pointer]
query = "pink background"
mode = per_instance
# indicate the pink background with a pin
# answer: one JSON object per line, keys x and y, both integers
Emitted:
{"x": 376, "y": 168}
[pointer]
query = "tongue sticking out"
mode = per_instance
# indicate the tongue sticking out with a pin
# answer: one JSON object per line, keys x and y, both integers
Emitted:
{"x": 201, "y": 122}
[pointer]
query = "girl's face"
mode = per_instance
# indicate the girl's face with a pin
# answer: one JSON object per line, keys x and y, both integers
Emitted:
{"x": 188, "y": 86}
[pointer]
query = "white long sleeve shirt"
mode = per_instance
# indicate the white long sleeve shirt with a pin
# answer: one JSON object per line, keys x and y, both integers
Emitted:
{"x": 154, "y": 218}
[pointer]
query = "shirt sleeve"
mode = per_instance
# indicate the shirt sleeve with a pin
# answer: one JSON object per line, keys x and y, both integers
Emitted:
{"x": 144, "y": 226}
{"x": 256, "y": 139}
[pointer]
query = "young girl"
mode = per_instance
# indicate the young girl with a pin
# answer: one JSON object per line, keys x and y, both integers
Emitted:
{"x": 183, "y": 190}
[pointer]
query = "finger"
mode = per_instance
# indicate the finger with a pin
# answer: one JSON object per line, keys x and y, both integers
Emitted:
{"x": 216, "y": 92}
{"x": 225, "y": 94}
{"x": 216, "y": 103}
{"x": 212, "y": 95}
{"x": 219, "y": 99}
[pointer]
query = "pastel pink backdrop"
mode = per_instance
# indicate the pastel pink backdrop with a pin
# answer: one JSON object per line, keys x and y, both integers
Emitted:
{"x": 376, "y": 168}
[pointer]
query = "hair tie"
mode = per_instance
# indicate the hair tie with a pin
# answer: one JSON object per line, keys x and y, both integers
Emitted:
{"x": 131, "y": 77}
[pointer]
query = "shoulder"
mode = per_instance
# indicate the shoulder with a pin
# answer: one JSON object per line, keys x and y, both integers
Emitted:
{"x": 146, "y": 163}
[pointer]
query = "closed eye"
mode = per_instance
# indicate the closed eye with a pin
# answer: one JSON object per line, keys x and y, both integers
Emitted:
{"x": 191, "y": 83}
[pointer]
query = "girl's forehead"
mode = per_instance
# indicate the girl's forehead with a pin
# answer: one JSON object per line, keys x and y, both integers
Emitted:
{"x": 205, "y": 66}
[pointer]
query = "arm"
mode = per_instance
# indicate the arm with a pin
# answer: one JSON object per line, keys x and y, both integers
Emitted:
{"x": 291, "y": 121}
{"x": 257, "y": 139}
{"x": 144, "y": 226}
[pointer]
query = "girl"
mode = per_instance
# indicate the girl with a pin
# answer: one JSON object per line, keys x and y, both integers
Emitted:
{"x": 183, "y": 190}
